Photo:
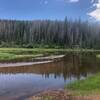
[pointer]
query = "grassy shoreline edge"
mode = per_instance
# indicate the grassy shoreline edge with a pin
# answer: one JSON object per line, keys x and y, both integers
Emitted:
{"x": 88, "y": 86}
{"x": 16, "y": 53}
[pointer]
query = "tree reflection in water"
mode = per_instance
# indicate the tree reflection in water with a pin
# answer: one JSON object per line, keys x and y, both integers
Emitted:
{"x": 71, "y": 66}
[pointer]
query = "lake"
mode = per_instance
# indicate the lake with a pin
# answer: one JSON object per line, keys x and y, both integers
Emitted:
{"x": 21, "y": 82}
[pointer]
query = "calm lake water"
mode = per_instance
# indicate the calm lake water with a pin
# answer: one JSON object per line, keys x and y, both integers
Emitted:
{"x": 18, "y": 83}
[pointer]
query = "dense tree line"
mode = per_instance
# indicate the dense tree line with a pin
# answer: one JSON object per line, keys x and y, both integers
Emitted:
{"x": 46, "y": 33}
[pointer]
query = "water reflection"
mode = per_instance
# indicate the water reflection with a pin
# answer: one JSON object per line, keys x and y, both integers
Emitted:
{"x": 24, "y": 81}
{"x": 76, "y": 65}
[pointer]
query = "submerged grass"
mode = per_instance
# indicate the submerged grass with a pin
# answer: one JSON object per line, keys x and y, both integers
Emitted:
{"x": 86, "y": 86}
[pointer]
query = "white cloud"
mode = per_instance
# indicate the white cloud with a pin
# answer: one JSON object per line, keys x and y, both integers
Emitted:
{"x": 95, "y": 13}
{"x": 70, "y": 1}
{"x": 73, "y": 1}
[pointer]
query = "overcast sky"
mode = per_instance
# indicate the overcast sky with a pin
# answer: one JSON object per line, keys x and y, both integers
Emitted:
{"x": 49, "y": 9}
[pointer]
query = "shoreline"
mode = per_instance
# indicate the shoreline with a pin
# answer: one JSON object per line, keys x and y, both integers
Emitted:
{"x": 47, "y": 59}
{"x": 22, "y": 64}
{"x": 61, "y": 94}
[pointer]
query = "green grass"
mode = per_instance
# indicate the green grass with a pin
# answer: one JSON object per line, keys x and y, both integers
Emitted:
{"x": 4, "y": 56}
{"x": 10, "y": 56}
{"x": 16, "y": 53}
{"x": 98, "y": 56}
{"x": 86, "y": 86}
{"x": 20, "y": 53}
{"x": 42, "y": 50}
{"x": 29, "y": 51}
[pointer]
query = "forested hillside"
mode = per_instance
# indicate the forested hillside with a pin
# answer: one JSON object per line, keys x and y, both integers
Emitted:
{"x": 47, "y": 33}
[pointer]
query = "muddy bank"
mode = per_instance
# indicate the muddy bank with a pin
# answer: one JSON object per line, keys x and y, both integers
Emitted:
{"x": 50, "y": 57}
{"x": 62, "y": 95}
{"x": 22, "y": 64}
